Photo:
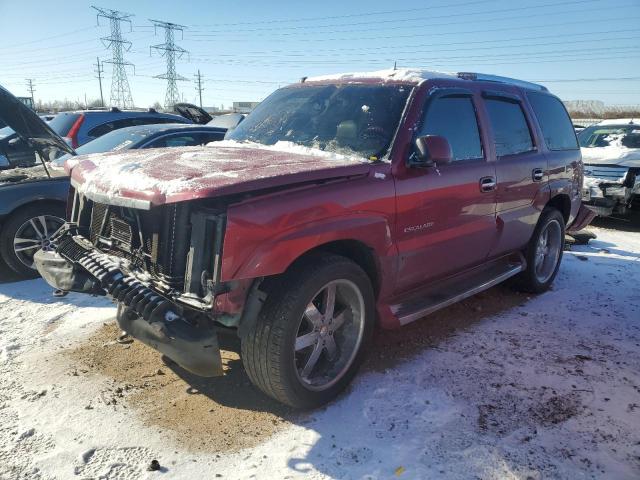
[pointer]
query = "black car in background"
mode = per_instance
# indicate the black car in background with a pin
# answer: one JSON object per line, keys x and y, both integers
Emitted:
{"x": 33, "y": 198}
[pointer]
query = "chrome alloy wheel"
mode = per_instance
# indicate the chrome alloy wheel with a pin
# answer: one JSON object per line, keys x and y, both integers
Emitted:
{"x": 329, "y": 335}
{"x": 33, "y": 235}
{"x": 548, "y": 251}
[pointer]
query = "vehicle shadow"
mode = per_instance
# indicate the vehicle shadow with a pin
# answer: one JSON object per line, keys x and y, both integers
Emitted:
{"x": 234, "y": 389}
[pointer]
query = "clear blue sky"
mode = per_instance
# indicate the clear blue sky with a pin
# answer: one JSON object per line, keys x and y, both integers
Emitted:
{"x": 246, "y": 49}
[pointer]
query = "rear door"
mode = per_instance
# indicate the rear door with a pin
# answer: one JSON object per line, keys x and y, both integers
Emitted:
{"x": 445, "y": 219}
{"x": 521, "y": 169}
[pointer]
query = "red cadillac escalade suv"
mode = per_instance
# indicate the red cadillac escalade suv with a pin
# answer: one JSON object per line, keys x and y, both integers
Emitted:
{"x": 340, "y": 204}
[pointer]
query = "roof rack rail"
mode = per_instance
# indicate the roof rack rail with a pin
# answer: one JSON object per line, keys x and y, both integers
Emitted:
{"x": 497, "y": 78}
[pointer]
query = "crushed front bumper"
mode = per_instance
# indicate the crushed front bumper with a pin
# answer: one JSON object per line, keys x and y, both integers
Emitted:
{"x": 142, "y": 312}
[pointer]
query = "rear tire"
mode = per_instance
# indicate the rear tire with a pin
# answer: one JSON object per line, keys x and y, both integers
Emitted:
{"x": 312, "y": 332}
{"x": 543, "y": 254}
{"x": 25, "y": 232}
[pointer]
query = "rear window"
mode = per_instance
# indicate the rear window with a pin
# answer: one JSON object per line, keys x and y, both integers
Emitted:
{"x": 510, "y": 129}
{"x": 62, "y": 123}
{"x": 554, "y": 121}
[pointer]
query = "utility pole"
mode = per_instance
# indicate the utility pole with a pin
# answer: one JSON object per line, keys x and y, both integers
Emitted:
{"x": 170, "y": 51}
{"x": 31, "y": 89}
{"x": 199, "y": 88}
{"x": 120, "y": 91}
{"x": 100, "y": 71}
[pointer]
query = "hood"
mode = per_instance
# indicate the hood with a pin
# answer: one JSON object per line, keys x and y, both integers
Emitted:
{"x": 28, "y": 125}
{"x": 142, "y": 178}
{"x": 619, "y": 152}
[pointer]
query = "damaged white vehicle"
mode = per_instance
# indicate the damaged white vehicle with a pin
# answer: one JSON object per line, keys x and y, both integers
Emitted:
{"x": 611, "y": 156}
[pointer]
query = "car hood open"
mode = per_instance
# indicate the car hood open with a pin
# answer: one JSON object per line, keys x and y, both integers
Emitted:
{"x": 28, "y": 125}
{"x": 142, "y": 178}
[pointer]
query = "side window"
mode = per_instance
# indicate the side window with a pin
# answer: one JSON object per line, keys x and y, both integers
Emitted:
{"x": 211, "y": 137}
{"x": 455, "y": 119}
{"x": 510, "y": 129}
{"x": 554, "y": 121}
{"x": 110, "y": 126}
{"x": 177, "y": 140}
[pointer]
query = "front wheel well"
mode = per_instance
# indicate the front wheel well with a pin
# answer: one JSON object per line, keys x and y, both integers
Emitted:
{"x": 354, "y": 250}
{"x": 562, "y": 203}
{"x": 24, "y": 206}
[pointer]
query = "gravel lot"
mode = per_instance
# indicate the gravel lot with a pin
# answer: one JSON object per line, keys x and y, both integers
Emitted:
{"x": 500, "y": 386}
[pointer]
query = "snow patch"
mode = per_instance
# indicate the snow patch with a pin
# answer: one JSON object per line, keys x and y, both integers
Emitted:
{"x": 397, "y": 75}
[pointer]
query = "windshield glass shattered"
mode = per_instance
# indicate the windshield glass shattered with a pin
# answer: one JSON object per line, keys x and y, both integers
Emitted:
{"x": 346, "y": 119}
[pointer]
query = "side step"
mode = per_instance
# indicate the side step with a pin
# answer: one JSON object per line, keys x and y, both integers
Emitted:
{"x": 443, "y": 293}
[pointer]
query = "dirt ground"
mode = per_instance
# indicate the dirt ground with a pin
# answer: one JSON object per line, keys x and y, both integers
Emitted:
{"x": 213, "y": 415}
{"x": 228, "y": 413}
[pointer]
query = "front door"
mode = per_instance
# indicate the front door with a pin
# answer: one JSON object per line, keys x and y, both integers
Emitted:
{"x": 446, "y": 214}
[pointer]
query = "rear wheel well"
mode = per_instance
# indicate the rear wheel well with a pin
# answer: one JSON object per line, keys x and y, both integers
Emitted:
{"x": 562, "y": 203}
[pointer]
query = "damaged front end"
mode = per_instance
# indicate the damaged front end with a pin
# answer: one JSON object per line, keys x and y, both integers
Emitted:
{"x": 161, "y": 265}
{"x": 610, "y": 189}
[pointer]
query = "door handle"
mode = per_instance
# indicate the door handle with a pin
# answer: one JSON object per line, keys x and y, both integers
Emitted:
{"x": 537, "y": 174}
{"x": 487, "y": 184}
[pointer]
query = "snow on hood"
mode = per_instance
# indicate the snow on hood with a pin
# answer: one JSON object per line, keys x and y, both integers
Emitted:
{"x": 399, "y": 75}
{"x": 169, "y": 175}
{"x": 613, "y": 154}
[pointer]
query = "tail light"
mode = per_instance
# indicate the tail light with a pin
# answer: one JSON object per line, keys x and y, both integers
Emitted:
{"x": 72, "y": 136}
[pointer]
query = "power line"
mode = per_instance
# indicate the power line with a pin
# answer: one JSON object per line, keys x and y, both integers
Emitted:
{"x": 350, "y": 15}
{"x": 120, "y": 91}
{"x": 434, "y": 34}
{"x": 170, "y": 51}
{"x": 428, "y": 19}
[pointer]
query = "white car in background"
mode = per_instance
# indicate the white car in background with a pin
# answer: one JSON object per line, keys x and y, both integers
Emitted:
{"x": 611, "y": 156}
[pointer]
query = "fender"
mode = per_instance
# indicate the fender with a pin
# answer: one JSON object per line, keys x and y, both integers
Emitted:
{"x": 13, "y": 196}
{"x": 278, "y": 253}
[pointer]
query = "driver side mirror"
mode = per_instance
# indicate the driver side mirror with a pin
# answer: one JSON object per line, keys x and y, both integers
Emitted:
{"x": 430, "y": 150}
{"x": 4, "y": 162}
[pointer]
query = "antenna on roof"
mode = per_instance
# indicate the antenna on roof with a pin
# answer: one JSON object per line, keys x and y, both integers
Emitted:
{"x": 395, "y": 65}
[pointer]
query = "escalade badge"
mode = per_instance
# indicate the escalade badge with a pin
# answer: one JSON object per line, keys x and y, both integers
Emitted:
{"x": 417, "y": 228}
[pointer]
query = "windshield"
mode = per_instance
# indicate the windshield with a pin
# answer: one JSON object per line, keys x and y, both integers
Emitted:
{"x": 347, "y": 119}
{"x": 121, "y": 139}
{"x": 598, "y": 136}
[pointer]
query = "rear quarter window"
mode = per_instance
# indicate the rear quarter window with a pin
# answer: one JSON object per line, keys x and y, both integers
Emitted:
{"x": 554, "y": 122}
{"x": 62, "y": 123}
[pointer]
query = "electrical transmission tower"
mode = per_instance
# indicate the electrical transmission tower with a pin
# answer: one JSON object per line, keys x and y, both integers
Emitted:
{"x": 120, "y": 91}
{"x": 170, "y": 51}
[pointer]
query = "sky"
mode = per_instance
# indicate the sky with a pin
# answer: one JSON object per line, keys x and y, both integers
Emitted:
{"x": 579, "y": 49}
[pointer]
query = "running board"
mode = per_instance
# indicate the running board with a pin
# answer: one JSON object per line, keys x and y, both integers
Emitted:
{"x": 453, "y": 289}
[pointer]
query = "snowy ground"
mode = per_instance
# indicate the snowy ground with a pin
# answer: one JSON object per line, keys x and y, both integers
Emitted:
{"x": 500, "y": 386}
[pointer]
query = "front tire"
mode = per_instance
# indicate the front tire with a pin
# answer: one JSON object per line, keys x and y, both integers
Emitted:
{"x": 311, "y": 335}
{"x": 28, "y": 230}
{"x": 544, "y": 253}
